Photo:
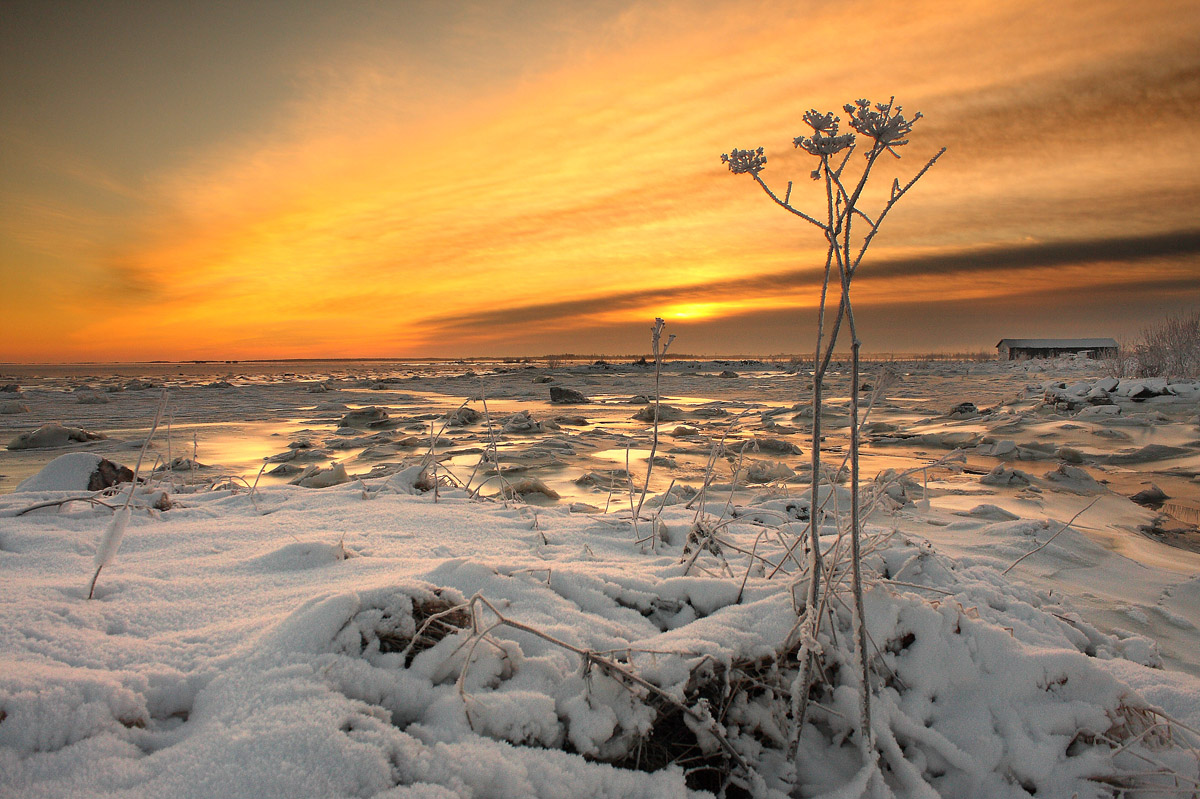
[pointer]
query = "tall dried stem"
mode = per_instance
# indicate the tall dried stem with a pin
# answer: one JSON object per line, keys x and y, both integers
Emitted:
{"x": 884, "y": 128}
{"x": 660, "y": 350}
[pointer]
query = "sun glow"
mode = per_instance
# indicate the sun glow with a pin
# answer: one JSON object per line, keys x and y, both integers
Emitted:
{"x": 699, "y": 310}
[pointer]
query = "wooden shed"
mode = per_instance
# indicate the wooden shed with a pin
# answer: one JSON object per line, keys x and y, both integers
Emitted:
{"x": 1017, "y": 349}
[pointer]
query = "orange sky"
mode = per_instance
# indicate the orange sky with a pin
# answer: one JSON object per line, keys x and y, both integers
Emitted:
{"x": 179, "y": 181}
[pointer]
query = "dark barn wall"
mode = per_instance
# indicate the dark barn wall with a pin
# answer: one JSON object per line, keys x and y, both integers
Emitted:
{"x": 1025, "y": 353}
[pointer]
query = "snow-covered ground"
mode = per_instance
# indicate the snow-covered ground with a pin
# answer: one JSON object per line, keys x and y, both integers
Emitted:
{"x": 375, "y": 639}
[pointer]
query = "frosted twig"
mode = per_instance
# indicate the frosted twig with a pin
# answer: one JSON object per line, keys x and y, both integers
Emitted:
{"x": 111, "y": 540}
{"x": 659, "y": 352}
{"x": 51, "y": 503}
{"x": 1039, "y": 548}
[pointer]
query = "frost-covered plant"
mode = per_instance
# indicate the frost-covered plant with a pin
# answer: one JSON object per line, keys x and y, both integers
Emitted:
{"x": 660, "y": 351}
{"x": 110, "y": 542}
{"x": 883, "y": 128}
{"x": 1170, "y": 348}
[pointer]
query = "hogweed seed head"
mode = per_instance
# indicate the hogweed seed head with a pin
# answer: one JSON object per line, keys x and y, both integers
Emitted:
{"x": 825, "y": 139}
{"x": 885, "y": 123}
{"x": 825, "y": 124}
{"x": 820, "y": 145}
{"x": 744, "y": 162}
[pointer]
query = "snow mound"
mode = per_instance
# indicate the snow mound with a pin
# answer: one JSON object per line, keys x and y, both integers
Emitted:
{"x": 76, "y": 471}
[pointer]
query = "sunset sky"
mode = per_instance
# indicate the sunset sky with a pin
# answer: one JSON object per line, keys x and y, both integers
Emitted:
{"x": 187, "y": 180}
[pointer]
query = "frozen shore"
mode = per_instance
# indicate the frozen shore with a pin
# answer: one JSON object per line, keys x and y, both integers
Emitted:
{"x": 275, "y": 642}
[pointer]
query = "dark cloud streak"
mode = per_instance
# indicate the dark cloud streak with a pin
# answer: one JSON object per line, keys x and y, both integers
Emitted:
{"x": 959, "y": 263}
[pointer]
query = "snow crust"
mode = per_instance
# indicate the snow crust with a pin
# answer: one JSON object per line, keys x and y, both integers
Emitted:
{"x": 224, "y": 657}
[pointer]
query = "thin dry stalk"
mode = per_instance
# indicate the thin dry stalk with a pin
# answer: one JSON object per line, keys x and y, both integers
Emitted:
{"x": 886, "y": 129}
{"x": 655, "y": 340}
{"x": 52, "y": 502}
{"x": 1045, "y": 544}
{"x": 111, "y": 540}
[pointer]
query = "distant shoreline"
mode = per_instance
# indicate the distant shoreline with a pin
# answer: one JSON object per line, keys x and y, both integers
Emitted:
{"x": 526, "y": 359}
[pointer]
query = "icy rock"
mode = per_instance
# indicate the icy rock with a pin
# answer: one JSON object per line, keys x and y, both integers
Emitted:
{"x": 680, "y": 492}
{"x": 605, "y": 478}
{"x": 91, "y": 398}
{"x": 1142, "y": 389}
{"x": 463, "y": 417}
{"x": 12, "y": 406}
{"x": 1005, "y": 477}
{"x": 777, "y": 445}
{"x": 573, "y": 421}
{"x": 902, "y": 488}
{"x": 53, "y": 435}
{"x": 1148, "y": 453}
{"x": 948, "y": 439}
{"x": 526, "y": 486}
{"x": 666, "y": 413}
{"x": 765, "y": 472}
{"x": 1099, "y": 410}
{"x": 990, "y": 512}
{"x": 1145, "y": 394}
{"x": 77, "y": 471}
{"x": 1073, "y": 479}
{"x": 363, "y": 416}
{"x": 316, "y": 477}
{"x": 181, "y": 464}
{"x": 560, "y": 395}
{"x": 300, "y": 455}
{"x": 411, "y": 480}
{"x": 1069, "y": 454}
{"x": 727, "y": 373}
{"x": 1005, "y": 448}
{"x": 1152, "y": 496}
{"x": 523, "y": 422}
{"x": 963, "y": 410}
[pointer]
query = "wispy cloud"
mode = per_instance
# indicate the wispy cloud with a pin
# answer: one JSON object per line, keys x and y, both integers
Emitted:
{"x": 445, "y": 179}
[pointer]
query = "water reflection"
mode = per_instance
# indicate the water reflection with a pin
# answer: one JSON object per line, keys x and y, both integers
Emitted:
{"x": 234, "y": 418}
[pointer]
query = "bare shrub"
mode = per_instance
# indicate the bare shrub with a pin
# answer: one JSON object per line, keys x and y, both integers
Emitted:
{"x": 1170, "y": 348}
{"x": 1123, "y": 364}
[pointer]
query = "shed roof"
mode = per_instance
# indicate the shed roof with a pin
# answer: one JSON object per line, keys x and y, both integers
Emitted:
{"x": 1057, "y": 343}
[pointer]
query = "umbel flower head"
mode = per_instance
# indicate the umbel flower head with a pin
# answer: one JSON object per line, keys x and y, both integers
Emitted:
{"x": 885, "y": 124}
{"x": 823, "y": 124}
{"x": 749, "y": 162}
{"x": 825, "y": 139}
